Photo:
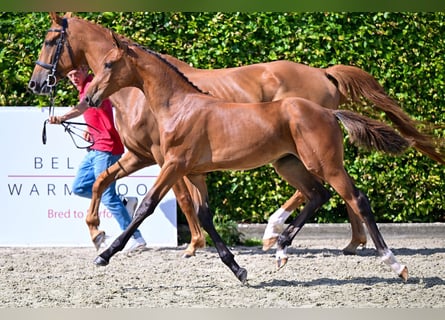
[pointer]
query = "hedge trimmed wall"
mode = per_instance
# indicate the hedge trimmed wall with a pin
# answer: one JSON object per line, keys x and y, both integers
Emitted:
{"x": 405, "y": 52}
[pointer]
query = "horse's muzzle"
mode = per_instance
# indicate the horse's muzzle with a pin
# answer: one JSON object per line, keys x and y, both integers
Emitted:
{"x": 38, "y": 89}
{"x": 91, "y": 102}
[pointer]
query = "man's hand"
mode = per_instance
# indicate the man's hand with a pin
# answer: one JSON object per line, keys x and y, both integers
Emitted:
{"x": 74, "y": 112}
{"x": 55, "y": 119}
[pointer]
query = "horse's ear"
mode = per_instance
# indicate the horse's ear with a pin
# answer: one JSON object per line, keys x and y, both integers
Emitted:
{"x": 68, "y": 15}
{"x": 117, "y": 42}
{"x": 55, "y": 17}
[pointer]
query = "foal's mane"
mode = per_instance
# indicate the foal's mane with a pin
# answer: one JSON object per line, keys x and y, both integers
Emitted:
{"x": 166, "y": 62}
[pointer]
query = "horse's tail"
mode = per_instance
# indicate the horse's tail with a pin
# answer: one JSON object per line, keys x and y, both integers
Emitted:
{"x": 355, "y": 84}
{"x": 371, "y": 134}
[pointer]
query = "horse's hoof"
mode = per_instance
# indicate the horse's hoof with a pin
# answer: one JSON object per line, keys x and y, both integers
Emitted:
{"x": 349, "y": 252}
{"x": 351, "y": 249}
{"x": 99, "y": 239}
{"x": 242, "y": 275}
{"x": 404, "y": 274}
{"x": 99, "y": 261}
{"x": 187, "y": 255}
{"x": 281, "y": 262}
{"x": 269, "y": 243}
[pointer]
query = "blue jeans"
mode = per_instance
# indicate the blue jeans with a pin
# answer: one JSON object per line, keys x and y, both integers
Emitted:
{"x": 92, "y": 165}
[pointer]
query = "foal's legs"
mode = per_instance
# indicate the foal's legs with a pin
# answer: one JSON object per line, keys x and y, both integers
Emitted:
{"x": 167, "y": 177}
{"x": 359, "y": 203}
{"x": 275, "y": 223}
{"x": 286, "y": 167}
{"x": 170, "y": 173}
{"x": 198, "y": 189}
{"x": 316, "y": 195}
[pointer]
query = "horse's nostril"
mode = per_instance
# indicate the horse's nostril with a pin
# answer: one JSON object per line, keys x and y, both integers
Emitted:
{"x": 89, "y": 101}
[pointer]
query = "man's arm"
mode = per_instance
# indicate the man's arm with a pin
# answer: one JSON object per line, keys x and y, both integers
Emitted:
{"x": 72, "y": 113}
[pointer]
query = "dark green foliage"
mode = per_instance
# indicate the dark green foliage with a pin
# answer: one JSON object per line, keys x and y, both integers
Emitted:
{"x": 405, "y": 52}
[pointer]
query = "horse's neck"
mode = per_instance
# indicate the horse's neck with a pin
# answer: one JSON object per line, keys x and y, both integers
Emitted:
{"x": 90, "y": 42}
{"x": 181, "y": 65}
{"x": 161, "y": 83}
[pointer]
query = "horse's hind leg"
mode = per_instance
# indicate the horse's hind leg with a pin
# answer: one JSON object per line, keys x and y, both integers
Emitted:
{"x": 199, "y": 191}
{"x": 186, "y": 204}
{"x": 358, "y": 233}
{"x": 275, "y": 223}
{"x": 316, "y": 195}
{"x": 286, "y": 167}
{"x": 128, "y": 164}
{"x": 359, "y": 203}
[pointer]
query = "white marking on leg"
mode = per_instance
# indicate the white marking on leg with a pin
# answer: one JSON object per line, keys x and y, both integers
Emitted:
{"x": 275, "y": 224}
{"x": 281, "y": 253}
{"x": 389, "y": 259}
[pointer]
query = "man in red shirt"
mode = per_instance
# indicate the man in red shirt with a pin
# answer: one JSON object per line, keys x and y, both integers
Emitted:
{"x": 105, "y": 151}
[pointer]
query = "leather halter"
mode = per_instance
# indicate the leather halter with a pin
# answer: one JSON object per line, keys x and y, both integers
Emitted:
{"x": 51, "y": 80}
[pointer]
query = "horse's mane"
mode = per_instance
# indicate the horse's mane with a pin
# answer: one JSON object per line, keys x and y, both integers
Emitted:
{"x": 128, "y": 41}
{"x": 170, "y": 65}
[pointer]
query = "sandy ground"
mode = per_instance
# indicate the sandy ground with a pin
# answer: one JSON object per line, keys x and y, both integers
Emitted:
{"x": 317, "y": 275}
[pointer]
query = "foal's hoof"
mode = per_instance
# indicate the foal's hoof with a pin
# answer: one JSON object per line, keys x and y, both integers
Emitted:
{"x": 404, "y": 274}
{"x": 281, "y": 262}
{"x": 99, "y": 261}
{"x": 269, "y": 243}
{"x": 99, "y": 239}
{"x": 242, "y": 275}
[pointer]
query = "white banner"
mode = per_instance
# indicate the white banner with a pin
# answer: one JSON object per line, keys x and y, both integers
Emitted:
{"x": 38, "y": 207}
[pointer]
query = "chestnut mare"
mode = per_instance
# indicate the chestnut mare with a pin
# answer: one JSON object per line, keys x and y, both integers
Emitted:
{"x": 72, "y": 41}
{"x": 200, "y": 133}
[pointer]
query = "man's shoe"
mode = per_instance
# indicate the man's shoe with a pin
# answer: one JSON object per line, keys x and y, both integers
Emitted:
{"x": 135, "y": 245}
{"x": 130, "y": 203}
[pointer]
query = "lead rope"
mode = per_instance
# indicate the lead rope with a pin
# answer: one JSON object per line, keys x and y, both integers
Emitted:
{"x": 50, "y": 113}
{"x": 69, "y": 126}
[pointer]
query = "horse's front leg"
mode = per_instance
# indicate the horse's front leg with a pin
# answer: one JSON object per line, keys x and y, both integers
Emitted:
{"x": 198, "y": 190}
{"x": 170, "y": 173}
{"x": 187, "y": 206}
{"x": 128, "y": 164}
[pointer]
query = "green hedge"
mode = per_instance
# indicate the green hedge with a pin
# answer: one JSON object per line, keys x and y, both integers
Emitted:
{"x": 404, "y": 51}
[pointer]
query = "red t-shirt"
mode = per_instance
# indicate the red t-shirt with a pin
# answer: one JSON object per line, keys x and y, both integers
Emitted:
{"x": 106, "y": 137}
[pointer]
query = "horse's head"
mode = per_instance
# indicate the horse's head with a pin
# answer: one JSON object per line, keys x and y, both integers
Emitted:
{"x": 114, "y": 73}
{"x": 56, "y": 57}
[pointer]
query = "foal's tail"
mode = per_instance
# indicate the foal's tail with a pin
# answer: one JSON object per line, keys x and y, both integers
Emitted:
{"x": 355, "y": 84}
{"x": 371, "y": 134}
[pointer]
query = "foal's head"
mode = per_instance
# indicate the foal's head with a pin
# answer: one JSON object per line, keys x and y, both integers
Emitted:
{"x": 115, "y": 73}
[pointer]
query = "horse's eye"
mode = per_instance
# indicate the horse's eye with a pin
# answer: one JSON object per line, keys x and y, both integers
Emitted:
{"x": 50, "y": 43}
{"x": 108, "y": 65}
